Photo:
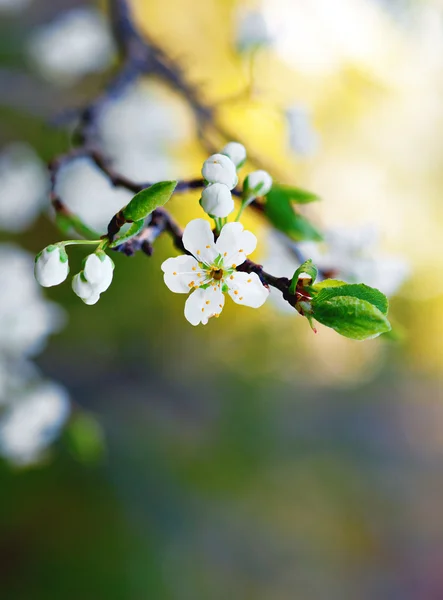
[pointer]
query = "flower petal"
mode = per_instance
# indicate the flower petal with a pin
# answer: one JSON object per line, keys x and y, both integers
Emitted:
{"x": 98, "y": 272}
{"x": 199, "y": 240}
{"x": 204, "y": 304}
{"x": 234, "y": 244}
{"x": 181, "y": 272}
{"x": 247, "y": 289}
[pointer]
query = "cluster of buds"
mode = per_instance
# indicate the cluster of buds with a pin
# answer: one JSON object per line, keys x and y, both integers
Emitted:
{"x": 220, "y": 172}
{"x": 52, "y": 268}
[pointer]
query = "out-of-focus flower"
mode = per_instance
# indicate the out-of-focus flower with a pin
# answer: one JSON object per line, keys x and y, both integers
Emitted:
{"x": 217, "y": 200}
{"x": 353, "y": 256}
{"x": 24, "y": 185}
{"x": 95, "y": 278}
{"x": 210, "y": 271}
{"x": 51, "y": 266}
{"x": 302, "y": 138}
{"x": 87, "y": 192}
{"x": 219, "y": 168}
{"x": 13, "y": 6}
{"x": 236, "y": 152}
{"x": 75, "y": 44}
{"x": 32, "y": 421}
{"x": 26, "y": 317}
{"x": 259, "y": 182}
{"x": 252, "y": 31}
{"x": 138, "y": 129}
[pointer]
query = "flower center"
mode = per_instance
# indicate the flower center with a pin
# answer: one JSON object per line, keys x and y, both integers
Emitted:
{"x": 217, "y": 273}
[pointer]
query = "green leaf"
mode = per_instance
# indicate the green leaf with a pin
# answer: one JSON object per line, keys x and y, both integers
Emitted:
{"x": 148, "y": 200}
{"x": 280, "y": 212}
{"x": 355, "y": 290}
{"x": 134, "y": 230}
{"x": 67, "y": 223}
{"x": 352, "y": 317}
{"x": 85, "y": 439}
{"x": 292, "y": 194}
{"x": 307, "y": 267}
{"x": 327, "y": 283}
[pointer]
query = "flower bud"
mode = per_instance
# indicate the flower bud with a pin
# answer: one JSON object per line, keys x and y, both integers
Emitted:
{"x": 218, "y": 168}
{"x": 217, "y": 200}
{"x": 95, "y": 278}
{"x": 252, "y": 32}
{"x": 51, "y": 266}
{"x": 259, "y": 182}
{"x": 98, "y": 271}
{"x": 236, "y": 152}
{"x": 84, "y": 289}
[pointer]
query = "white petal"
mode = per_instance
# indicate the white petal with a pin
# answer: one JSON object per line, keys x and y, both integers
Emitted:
{"x": 198, "y": 239}
{"x": 204, "y": 304}
{"x": 99, "y": 272}
{"x": 247, "y": 289}
{"x": 218, "y": 168}
{"x": 85, "y": 290}
{"x": 234, "y": 244}
{"x": 180, "y": 272}
{"x": 236, "y": 152}
{"x": 217, "y": 200}
{"x": 260, "y": 181}
{"x": 49, "y": 270}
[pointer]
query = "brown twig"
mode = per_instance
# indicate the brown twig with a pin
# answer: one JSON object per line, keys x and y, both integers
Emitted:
{"x": 141, "y": 56}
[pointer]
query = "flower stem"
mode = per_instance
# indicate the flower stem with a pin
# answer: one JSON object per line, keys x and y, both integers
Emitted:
{"x": 80, "y": 242}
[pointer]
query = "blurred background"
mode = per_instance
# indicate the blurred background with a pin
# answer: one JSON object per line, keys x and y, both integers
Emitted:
{"x": 251, "y": 459}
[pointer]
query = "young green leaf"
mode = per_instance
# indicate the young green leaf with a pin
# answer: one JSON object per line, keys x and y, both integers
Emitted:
{"x": 355, "y": 290}
{"x": 293, "y": 194}
{"x": 68, "y": 222}
{"x": 134, "y": 230}
{"x": 352, "y": 317}
{"x": 148, "y": 200}
{"x": 307, "y": 267}
{"x": 280, "y": 212}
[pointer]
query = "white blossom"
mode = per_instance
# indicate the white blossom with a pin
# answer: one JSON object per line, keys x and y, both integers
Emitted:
{"x": 217, "y": 200}
{"x": 88, "y": 193}
{"x": 32, "y": 421}
{"x": 259, "y": 182}
{"x": 252, "y": 31}
{"x": 302, "y": 138}
{"x": 51, "y": 266}
{"x": 211, "y": 271}
{"x": 24, "y": 183}
{"x": 95, "y": 278}
{"x": 219, "y": 168}
{"x": 75, "y": 44}
{"x": 353, "y": 256}
{"x": 236, "y": 152}
{"x": 26, "y": 317}
{"x": 140, "y": 128}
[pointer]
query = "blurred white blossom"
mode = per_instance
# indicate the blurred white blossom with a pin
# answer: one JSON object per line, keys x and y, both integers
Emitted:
{"x": 75, "y": 44}
{"x": 32, "y": 421}
{"x": 138, "y": 130}
{"x": 252, "y": 31}
{"x": 32, "y": 411}
{"x": 351, "y": 255}
{"x": 87, "y": 192}
{"x": 27, "y": 318}
{"x": 13, "y": 6}
{"x": 302, "y": 137}
{"x": 24, "y": 184}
